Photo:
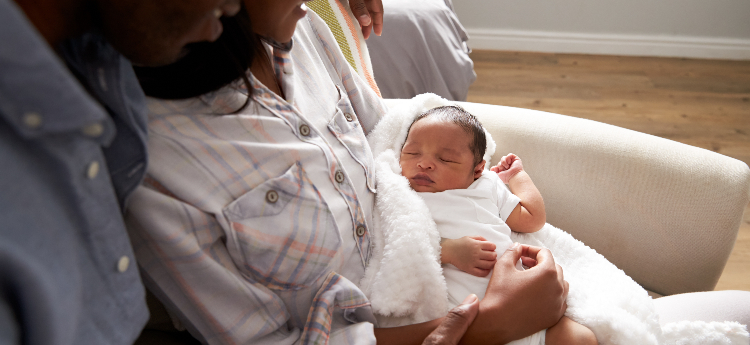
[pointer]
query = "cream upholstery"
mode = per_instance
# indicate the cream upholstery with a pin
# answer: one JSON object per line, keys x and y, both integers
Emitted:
{"x": 664, "y": 212}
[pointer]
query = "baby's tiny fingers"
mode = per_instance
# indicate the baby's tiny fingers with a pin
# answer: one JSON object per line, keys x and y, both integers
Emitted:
{"x": 487, "y": 246}
{"x": 479, "y": 272}
{"x": 485, "y": 255}
{"x": 485, "y": 264}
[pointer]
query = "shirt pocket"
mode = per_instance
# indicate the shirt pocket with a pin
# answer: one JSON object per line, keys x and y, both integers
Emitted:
{"x": 346, "y": 128}
{"x": 282, "y": 233}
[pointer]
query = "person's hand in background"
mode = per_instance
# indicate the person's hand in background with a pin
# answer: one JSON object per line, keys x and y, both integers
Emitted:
{"x": 369, "y": 13}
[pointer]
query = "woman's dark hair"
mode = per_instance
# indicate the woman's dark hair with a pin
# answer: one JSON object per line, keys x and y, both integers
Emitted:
{"x": 208, "y": 66}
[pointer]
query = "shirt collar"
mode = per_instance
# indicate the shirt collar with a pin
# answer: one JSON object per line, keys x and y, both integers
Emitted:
{"x": 38, "y": 94}
{"x": 283, "y": 67}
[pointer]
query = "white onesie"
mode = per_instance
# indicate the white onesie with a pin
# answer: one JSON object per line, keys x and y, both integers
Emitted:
{"x": 479, "y": 210}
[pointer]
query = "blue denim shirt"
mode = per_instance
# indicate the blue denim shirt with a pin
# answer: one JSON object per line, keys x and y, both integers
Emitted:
{"x": 70, "y": 153}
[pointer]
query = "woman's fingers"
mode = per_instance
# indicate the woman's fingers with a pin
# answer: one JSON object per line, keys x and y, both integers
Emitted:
{"x": 528, "y": 262}
{"x": 455, "y": 324}
{"x": 485, "y": 265}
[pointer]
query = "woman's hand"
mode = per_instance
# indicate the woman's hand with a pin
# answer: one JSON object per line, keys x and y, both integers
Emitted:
{"x": 471, "y": 254}
{"x": 454, "y": 324}
{"x": 519, "y": 303}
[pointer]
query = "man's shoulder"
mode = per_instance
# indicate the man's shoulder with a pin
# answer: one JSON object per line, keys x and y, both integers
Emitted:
{"x": 39, "y": 94}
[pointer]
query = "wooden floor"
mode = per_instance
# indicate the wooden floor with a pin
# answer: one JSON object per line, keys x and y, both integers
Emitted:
{"x": 704, "y": 103}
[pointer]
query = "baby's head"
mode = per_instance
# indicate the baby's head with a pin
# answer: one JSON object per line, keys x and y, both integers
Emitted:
{"x": 443, "y": 150}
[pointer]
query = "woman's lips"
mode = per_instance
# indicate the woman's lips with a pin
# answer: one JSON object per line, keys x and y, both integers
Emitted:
{"x": 422, "y": 180}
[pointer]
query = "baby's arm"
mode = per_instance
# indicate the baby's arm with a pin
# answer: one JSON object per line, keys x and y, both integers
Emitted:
{"x": 529, "y": 214}
{"x": 567, "y": 331}
{"x": 471, "y": 254}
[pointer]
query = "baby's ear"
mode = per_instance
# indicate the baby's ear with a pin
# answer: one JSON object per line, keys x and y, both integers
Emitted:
{"x": 478, "y": 169}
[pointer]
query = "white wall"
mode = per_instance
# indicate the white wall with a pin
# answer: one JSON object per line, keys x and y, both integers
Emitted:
{"x": 683, "y": 28}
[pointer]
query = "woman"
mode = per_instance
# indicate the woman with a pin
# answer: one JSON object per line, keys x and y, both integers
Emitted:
{"x": 253, "y": 223}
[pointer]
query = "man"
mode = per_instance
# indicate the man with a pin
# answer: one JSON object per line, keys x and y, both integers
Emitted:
{"x": 72, "y": 147}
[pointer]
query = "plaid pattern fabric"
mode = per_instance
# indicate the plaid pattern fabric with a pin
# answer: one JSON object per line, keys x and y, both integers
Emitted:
{"x": 253, "y": 225}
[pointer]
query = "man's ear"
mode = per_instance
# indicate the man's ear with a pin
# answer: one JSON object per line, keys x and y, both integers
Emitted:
{"x": 478, "y": 169}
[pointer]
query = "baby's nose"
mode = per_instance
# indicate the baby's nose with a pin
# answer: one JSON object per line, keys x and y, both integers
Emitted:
{"x": 426, "y": 164}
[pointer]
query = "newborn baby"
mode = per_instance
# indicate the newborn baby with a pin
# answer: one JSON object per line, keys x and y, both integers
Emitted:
{"x": 473, "y": 209}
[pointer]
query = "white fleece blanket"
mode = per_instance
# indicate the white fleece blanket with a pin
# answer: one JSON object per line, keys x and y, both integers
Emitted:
{"x": 404, "y": 279}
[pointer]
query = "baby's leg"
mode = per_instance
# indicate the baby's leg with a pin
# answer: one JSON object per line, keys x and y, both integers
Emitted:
{"x": 567, "y": 331}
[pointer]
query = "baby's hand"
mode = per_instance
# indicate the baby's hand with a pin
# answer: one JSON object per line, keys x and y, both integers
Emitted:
{"x": 474, "y": 255}
{"x": 507, "y": 167}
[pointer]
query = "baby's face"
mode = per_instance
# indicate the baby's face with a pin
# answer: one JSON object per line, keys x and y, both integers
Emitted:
{"x": 437, "y": 157}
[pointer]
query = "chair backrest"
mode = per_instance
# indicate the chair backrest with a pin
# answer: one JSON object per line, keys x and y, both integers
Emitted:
{"x": 664, "y": 212}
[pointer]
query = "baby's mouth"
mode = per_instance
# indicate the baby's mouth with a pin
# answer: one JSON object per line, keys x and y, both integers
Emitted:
{"x": 422, "y": 179}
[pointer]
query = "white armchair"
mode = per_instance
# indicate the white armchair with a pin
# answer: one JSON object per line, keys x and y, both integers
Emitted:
{"x": 664, "y": 212}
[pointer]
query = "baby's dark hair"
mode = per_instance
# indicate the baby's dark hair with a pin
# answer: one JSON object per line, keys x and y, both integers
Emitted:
{"x": 465, "y": 120}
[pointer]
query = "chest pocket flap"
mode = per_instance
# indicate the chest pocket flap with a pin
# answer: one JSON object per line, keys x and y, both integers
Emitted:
{"x": 282, "y": 233}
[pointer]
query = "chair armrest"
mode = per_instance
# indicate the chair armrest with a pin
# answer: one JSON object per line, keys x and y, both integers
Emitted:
{"x": 664, "y": 212}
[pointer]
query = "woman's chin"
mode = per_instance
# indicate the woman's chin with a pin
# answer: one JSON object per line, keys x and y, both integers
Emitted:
{"x": 284, "y": 34}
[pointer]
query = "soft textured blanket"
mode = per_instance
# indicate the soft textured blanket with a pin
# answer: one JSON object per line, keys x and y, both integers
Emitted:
{"x": 405, "y": 283}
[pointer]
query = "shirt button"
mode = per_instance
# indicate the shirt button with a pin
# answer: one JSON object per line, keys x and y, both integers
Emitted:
{"x": 93, "y": 170}
{"x": 339, "y": 176}
{"x": 304, "y": 130}
{"x": 349, "y": 117}
{"x": 360, "y": 231}
{"x": 123, "y": 263}
{"x": 32, "y": 120}
{"x": 93, "y": 130}
{"x": 272, "y": 196}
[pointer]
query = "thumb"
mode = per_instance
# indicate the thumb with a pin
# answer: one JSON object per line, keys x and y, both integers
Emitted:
{"x": 510, "y": 256}
{"x": 455, "y": 324}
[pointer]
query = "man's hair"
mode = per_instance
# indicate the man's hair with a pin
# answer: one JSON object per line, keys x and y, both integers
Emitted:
{"x": 465, "y": 120}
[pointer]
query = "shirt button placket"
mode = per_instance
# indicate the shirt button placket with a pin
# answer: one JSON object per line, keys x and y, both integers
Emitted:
{"x": 361, "y": 231}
